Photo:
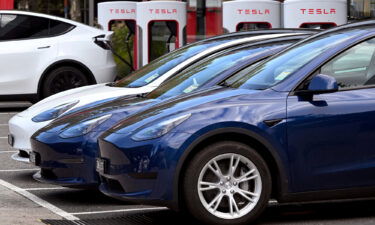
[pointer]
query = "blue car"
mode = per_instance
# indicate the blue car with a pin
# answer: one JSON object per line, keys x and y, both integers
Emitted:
{"x": 297, "y": 127}
{"x": 67, "y": 148}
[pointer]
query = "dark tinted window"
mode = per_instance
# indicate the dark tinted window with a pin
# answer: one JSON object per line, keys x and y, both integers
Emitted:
{"x": 58, "y": 27}
{"x": 15, "y": 27}
{"x": 22, "y": 27}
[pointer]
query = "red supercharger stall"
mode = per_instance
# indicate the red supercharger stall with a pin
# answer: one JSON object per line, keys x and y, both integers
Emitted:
{"x": 204, "y": 19}
{"x": 112, "y": 13}
{"x": 161, "y": 28}
{"x": 6, "y": 4}
{"x": 315, "y": 13}
{"x": 242, "y": 15}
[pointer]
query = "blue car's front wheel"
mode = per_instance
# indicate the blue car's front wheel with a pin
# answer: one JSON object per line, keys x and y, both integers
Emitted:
{"x": 227, "y": 183}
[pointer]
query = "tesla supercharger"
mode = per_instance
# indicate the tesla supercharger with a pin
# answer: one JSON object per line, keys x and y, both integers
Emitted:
{"x": 6, "y": 4}
{"x": 242, "y": 15}
{"x": 161, "y": 28}
{"x": 315, "y": 13}
{"x": 214, "y": 16}
{"x": 110, "y": 13}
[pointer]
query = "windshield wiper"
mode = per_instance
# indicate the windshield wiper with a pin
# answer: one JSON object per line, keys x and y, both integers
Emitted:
{"x": 111, "y": 84}
{"x": 225, "y": 84}
{"x": 143, "y": 95}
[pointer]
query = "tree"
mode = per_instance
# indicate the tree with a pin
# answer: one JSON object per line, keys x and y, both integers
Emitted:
{"x": 75, "y": 10}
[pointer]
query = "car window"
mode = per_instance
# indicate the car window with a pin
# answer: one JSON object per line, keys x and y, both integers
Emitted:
{"x": 281, "y": 66}
{"x": 15, "y": 27}
{"x": 160, "y": 66}
{"x": 200, "y": 73}
{"x": 58, "y": 27}
{"x": 353, "y": 68}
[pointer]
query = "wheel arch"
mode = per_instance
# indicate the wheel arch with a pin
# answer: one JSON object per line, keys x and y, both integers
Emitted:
{"x": 257, "y": 142}
{"x": 66, "y": 62}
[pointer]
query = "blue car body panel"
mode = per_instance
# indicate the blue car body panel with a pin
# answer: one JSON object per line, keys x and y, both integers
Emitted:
{"x": 162, "y": 155}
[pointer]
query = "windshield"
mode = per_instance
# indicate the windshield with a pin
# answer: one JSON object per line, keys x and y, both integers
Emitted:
{"x": 278, "y": 68}
{"x": 160, "y": 66}
{"x": 198, "y": 74}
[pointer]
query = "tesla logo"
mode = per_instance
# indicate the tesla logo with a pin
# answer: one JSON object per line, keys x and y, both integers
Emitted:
{"x": 122, "y": 11}
{"x": 163, "y": 11}
{"x": 318, "y": 11}
{"x": 254, "y": 11}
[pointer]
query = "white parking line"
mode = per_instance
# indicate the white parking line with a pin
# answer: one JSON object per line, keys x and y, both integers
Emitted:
{"x": 3, "y": 137}
{"x": 44, "y": 189}
{"x": 8, "y": 151}
{"x": 19, "y": 170}
{"x": 39, "y": 201}
{"x": 121, "y": 210}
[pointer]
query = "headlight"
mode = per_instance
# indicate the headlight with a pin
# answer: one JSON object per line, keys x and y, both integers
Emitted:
{"x": 84, "y": 127}
{"x": 159, "y": 129}
{"x": 54, "y": 112}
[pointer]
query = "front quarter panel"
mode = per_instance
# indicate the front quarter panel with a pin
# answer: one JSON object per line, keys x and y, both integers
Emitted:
{"x": 165, "y": 156}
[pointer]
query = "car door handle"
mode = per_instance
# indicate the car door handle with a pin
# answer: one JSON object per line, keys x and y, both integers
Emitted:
{"x": 44, "y": 47}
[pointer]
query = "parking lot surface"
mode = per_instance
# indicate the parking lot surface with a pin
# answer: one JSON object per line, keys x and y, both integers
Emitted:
{"x": 25, "y": 201}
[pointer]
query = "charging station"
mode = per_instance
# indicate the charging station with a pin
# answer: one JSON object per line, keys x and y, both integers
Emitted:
{"x": 214, "y": 18}
{"x": 112, "y": 13}
{"x": 6, "y": 4}
{"x": 241, "y": 15}
{"x": 161, "y": 28}
{"x": 321, "y": 14}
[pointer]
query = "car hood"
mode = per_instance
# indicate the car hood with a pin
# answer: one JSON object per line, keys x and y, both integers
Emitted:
{"x": 119, "y": 109}
{"x": 199, "y": 101}
{"x": 84, "y": 95}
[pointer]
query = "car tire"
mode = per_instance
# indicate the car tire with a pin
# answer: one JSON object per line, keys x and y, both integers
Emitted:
{"x": 62, "y": 79}
{"x": 198, "y": 201}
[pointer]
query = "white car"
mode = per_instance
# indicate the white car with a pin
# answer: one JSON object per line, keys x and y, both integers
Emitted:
{"x": 23, "y": 125}
{"x": 41, "y": 55}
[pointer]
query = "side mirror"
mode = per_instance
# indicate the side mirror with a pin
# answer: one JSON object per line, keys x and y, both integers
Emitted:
{"x": 320, "y": 84}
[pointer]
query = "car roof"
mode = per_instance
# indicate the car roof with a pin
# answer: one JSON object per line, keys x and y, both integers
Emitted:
{"x": 261, "y": 32}
{"x": 288, "y": 41}
{"x": 26, "y": 13}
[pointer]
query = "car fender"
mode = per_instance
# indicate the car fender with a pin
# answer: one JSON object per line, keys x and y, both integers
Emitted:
{"x": 192, "y": 143}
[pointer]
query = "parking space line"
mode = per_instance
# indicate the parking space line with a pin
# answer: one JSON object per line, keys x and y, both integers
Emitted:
{"x": 121, "y": 210}
{"x": 39, "y": 201}
{"x": 3, "y": 137}
{"x": 19, "y": 170}
{"x": 8, "y": 151}
{"x": 44, "y": 189}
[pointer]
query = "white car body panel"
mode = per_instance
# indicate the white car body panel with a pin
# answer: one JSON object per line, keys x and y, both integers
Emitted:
{"x": 24, "y": 61}
{"x": 22, "y": 127}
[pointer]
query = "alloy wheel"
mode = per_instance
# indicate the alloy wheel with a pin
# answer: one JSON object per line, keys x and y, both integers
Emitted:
{"x": 229, "y": 186}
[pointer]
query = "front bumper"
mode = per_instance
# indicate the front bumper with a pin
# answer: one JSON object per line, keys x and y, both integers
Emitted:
{"x": 21, "y": 129}
{"x": 64, "y": 167}
{"x": 142, "y": 172}
{"x": 48, "y": 177}
{"x": 21, "y": 156}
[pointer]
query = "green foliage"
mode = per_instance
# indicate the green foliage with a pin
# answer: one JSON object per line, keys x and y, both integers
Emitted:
{"x": 122, "y": 48}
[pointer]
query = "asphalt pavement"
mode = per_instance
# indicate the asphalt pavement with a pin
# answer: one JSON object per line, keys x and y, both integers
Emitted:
{"x": 26, "y": 201}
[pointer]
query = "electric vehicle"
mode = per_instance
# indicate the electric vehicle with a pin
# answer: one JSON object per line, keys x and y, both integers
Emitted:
{"x": 23, "y": 125}
{"x": 67, "y": 148}
{"x": 41, "y": 55}
{"x": 298, "y": 127}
